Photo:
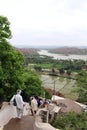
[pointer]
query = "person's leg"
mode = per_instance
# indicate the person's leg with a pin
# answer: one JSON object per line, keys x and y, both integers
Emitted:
{"x": 35, "y": 111}
{"x": 32, "y": 112}
{"x": 19, "y": 113}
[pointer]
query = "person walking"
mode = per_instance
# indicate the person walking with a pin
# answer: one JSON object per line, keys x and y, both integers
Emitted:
{"x": 19, "y": 103}
{"x": 34, "y": 105}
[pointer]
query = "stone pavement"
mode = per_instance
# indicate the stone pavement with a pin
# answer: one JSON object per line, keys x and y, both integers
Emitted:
{"x": 26, "y": 123}
{"x": 9, "y": 111}
{"x": 9, "y": 121}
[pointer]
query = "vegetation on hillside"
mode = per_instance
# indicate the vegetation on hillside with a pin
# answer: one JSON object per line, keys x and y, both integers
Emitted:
{"x": 11, "y": 62}
{"x": 71, "y": 121}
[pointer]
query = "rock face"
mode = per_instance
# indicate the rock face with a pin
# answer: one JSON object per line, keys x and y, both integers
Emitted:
{"x": 68, "y": 105}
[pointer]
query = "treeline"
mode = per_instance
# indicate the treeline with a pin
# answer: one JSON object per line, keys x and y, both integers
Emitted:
{"x": 46, "y": 62}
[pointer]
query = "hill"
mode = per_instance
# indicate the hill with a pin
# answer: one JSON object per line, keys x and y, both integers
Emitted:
{"x": 69, "y": 50}
{"x": 28, "y": 51}
{"x": 59, "y": 50}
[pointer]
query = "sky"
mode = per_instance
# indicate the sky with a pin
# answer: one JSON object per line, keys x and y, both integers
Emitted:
{"x": 46, "y": 22}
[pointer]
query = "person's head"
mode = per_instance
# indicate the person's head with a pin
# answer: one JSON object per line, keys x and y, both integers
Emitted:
{"x": 31, "y": 98}
{"x": 18, "y": 91}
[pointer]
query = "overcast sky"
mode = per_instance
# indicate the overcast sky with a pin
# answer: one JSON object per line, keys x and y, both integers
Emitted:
{"x": 46, "y": 22}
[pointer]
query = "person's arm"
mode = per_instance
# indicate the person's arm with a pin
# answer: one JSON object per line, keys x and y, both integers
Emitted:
{"x": 22, "y": 101}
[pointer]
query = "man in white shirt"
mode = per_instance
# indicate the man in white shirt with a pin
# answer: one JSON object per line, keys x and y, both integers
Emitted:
{"x": 19, "y": 103}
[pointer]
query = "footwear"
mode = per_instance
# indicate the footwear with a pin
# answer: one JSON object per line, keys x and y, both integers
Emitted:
{"x": 17, "y": 119}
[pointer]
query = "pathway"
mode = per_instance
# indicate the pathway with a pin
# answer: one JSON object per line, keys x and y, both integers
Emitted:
{"x": 26, "y": 123}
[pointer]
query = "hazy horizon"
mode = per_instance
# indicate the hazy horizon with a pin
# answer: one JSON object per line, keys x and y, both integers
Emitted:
{"x": 44, "y": 46}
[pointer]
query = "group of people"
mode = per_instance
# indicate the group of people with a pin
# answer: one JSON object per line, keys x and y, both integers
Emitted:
{"x": 38, "y": 102}
{"x": 35, "y": 103}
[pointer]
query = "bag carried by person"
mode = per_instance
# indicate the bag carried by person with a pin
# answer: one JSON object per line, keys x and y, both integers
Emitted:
{"x": 14, "y": 102}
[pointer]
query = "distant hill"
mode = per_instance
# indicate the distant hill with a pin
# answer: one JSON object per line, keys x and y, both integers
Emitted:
{"x": 69, "y": 50}
{"x": 28, "y": 51}
{"x": 59, "y": 50}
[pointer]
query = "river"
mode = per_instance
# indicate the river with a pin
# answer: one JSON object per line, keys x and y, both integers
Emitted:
{"x": 63, "y": 57}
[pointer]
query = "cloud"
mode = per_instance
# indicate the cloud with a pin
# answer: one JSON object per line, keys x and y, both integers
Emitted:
{"x": 30, "y": 37}
{"x": 46, "y": 21}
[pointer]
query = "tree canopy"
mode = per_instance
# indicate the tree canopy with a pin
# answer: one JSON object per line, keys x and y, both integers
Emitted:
{"x": 11, "y": 61}
{"x": 5, "y": 32}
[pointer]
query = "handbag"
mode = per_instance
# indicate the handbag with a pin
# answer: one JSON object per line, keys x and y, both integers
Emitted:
{"x": 14, "y": 102}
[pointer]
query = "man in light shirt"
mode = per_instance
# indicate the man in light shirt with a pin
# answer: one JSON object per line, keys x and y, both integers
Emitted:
{"x": 19, "y": 103}
{"x": 34, "y": 105}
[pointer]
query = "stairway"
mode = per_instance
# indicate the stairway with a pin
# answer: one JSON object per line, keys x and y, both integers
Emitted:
{"x": 9, "y": 120}
{"x": 26, "y": 123}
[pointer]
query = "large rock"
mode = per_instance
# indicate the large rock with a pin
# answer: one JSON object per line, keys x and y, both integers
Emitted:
{"x": 68, "y": 105}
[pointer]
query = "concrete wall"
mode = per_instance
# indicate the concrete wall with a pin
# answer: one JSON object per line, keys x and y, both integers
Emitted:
{"x": 43, "y": 126}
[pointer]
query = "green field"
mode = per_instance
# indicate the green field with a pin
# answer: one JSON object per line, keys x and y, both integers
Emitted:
{"x": 63, "y": 85}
